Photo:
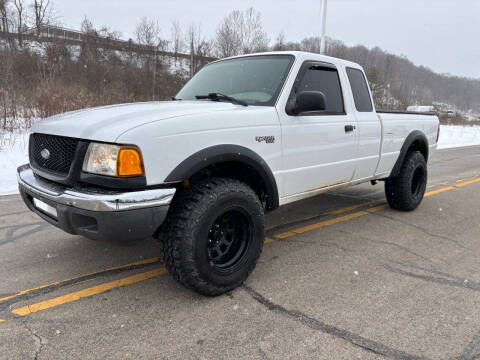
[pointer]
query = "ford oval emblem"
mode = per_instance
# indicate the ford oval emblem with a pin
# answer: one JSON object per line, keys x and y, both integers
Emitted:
{"x": 45, "y": 153}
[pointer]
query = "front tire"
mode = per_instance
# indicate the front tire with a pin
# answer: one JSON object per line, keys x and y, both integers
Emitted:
{"x": 214, "y": 235}
{"x": 405, "y": 191}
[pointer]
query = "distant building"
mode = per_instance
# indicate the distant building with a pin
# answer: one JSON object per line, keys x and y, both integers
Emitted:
{"x": 57, "y": 32}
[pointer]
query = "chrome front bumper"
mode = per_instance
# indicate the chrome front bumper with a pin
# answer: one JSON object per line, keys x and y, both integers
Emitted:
{"x": 87, "y": 199}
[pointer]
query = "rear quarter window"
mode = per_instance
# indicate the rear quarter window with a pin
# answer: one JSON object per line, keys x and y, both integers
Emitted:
{"x": 361, "y": 95}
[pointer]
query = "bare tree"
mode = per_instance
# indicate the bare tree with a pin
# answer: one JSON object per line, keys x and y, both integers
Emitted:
{"x": 89, "y": 49}
{"x": 42, "y": 12}
{"x": 241, "y": 33}
{"x": 200, "y": 47}
{"x": 20, "y": 18}
{"x": 6, "y": 21}
{"x": 280, "y": 42}
{"x": 7, "y": 62}
{"x": 177, "y": 42}
{"x": 311, "y": 44}
{"x": 230, "y": 35}
{"x": 147, "y": 33}
{"x": 87, "y": 26}
{"x": 254, "y": 38}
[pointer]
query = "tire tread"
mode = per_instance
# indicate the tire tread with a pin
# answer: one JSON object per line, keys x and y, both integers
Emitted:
{"x": 184, "y": 214}
{"x": 398, "y": 189}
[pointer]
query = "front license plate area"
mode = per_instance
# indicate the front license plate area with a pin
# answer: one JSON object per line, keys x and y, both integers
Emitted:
{"x": 45, "y": 208}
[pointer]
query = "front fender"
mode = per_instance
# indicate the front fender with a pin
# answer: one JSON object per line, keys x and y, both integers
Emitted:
{"x": 224, "y": 153}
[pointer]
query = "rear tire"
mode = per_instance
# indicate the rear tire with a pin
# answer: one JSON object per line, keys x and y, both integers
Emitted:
{"x": 214, "y": 235}
{"x": 405, "y": 191}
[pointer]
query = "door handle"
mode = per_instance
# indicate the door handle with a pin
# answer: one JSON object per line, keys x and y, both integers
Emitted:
{"x": 349, "y": 128}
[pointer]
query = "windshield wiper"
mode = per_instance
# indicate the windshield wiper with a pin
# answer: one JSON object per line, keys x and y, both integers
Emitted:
{"x": 173, "y": 98}
{"x": 219, "y": 96}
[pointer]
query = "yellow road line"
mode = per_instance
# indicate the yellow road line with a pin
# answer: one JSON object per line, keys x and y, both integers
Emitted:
{"x": 77, "y": 295}
{"x": 438, "y": 191}
{"x": 23, "y": 292}
{"x": 321, "y": 224}
{"x": 462, "y": 184}
{"x": 332, "y": 212}
{"x": 439, "y": 184}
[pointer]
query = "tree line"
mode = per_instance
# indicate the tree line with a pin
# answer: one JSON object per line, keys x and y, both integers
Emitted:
{"x": 40, "y": 78}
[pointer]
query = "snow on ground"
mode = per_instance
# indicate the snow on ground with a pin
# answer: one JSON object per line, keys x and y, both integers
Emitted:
{"x": 14, "y": 151}
{"x": 452, "y": 136}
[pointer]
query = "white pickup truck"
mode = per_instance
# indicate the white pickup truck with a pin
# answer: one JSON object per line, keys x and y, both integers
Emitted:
{"x": 244, "y": 136}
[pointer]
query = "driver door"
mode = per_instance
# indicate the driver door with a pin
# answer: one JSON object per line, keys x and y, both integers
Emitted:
{"x": 319, "y": 147}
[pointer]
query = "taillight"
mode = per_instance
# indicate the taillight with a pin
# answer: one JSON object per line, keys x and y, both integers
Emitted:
{"x": 438, "y": 133}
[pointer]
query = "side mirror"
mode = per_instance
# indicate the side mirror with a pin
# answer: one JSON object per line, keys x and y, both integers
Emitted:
{"x": 307, "y": 101}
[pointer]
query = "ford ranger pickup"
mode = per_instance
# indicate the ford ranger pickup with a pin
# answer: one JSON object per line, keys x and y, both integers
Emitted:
{"x": 244, "y": 136}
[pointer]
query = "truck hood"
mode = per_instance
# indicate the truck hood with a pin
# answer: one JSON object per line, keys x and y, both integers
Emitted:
{"x": 107, "y": 123}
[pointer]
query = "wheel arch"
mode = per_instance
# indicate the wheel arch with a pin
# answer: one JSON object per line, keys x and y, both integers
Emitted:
{"x": 416, "y": 140}
{"x": 228, "y": 158}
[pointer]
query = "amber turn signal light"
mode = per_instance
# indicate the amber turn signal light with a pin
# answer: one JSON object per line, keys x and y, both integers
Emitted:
{"x": 129, "y": 162}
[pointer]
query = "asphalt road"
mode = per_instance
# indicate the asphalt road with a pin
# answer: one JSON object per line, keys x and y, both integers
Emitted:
{"x": 341, "y": 277}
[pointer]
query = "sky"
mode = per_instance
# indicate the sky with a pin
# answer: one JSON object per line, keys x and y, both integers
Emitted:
{"x": 442, "y": 35}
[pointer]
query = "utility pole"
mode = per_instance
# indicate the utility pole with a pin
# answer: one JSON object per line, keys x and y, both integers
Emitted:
{"x": 323, "y": 38}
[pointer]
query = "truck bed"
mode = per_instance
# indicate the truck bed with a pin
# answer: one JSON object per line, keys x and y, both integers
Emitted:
{"x": 396, "y": 126}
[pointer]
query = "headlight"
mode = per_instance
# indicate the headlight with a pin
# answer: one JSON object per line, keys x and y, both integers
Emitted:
{"x": 113, "y": 160}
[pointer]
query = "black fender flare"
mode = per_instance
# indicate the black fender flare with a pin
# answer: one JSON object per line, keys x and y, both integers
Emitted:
{"x": 414, "y": 136}
{"x": 224, "y": 153}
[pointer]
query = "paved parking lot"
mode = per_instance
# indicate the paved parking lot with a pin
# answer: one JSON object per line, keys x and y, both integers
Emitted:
{"x": 341, "y": 277}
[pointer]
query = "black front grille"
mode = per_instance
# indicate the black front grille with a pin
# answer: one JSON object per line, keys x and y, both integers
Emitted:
{"x": 53, "y": 153}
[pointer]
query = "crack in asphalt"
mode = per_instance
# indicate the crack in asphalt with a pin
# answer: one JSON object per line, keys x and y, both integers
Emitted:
{"x": 14, "y": 213}
{"x": 472, "y": 351}
{"x": 401, "y": 247}
{"x": 447, "y": 279}
{"x": 433, "y": 271}
{"x": 404, "y": 248}
{"x": 314, "y": 324}
{"x": 13, "y": 226}
{"x": 422, "y": 229}
{"x": 11, "y": 235}
{"x": 262, "y": 353}
{"x": 332, "y": 246}
{"x": 40, "y": 344}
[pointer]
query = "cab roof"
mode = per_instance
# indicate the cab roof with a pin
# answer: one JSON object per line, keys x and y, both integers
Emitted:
{"x": 303, "y": 56}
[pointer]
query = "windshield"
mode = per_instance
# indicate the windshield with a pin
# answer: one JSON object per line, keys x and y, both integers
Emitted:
{"x": 256, "y": 80}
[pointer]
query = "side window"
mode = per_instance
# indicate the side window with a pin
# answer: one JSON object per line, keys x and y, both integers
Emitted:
{"x": 326, "y": 80}
{"x": 361, "y": 95}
